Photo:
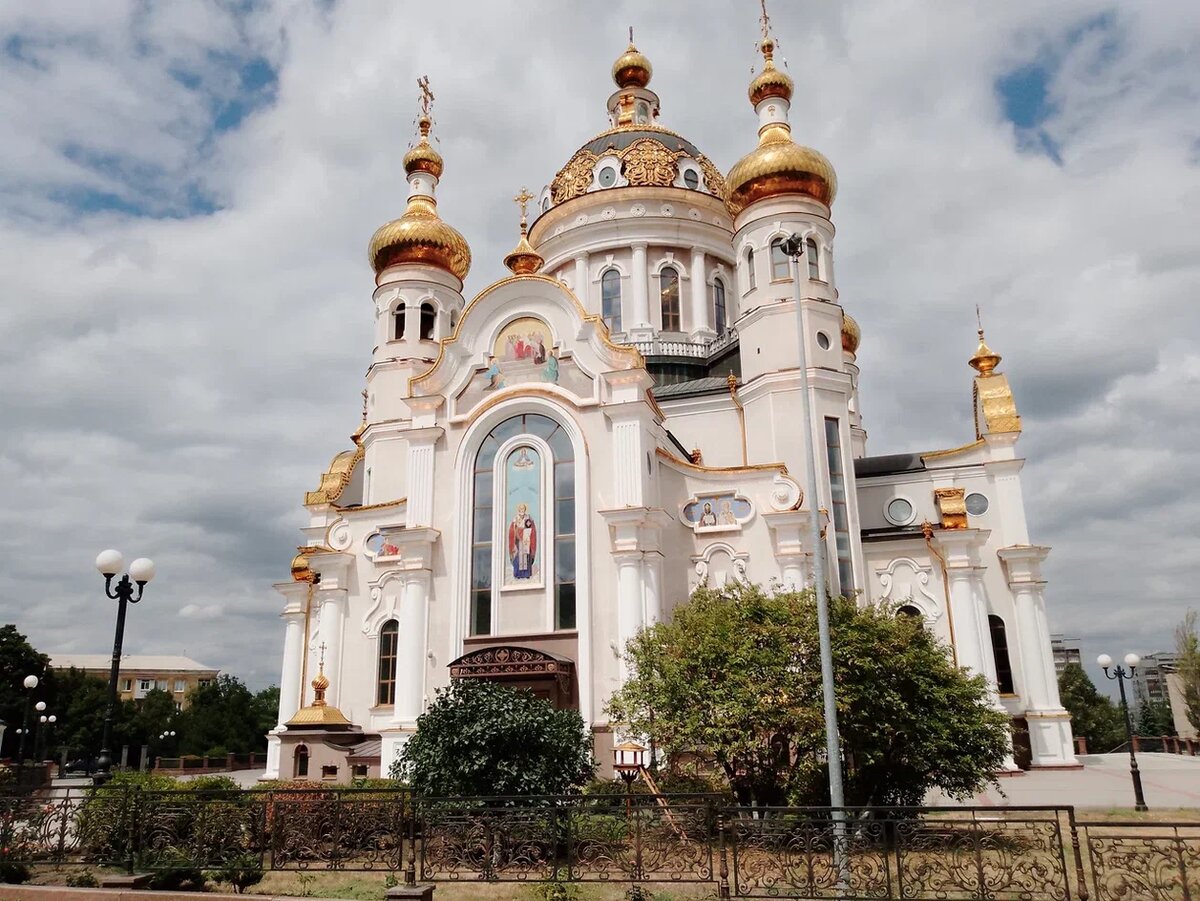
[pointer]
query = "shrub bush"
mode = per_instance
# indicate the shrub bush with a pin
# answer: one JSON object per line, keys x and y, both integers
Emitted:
{"x": 13, "y": 873}
{"x": 241, "y": 872}
{"x": 170, "y": 869}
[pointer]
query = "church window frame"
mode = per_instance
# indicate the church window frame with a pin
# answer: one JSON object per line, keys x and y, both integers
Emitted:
{"x": 751, "y": 278}
{"x": 399, "y": 323}
{"x": 385, "y": 678}
{"x": 670, "y": 308}
{"x": 780, "y": 262}
{"x": 557, "y": 535}
{"x": 720, "y": 306}
{"x": 428, "y": 321}
{"x": 610, "y": 299}
{"x": 300, "y": 761}
{"x": 998, "y": 631}
{"x": 814, "y": 259}
{"x": 899, "y": 511}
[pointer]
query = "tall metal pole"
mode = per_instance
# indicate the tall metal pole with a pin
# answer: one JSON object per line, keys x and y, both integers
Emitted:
{"x": 1138, "y": 796}
{"x": 104, "y": 764}
{"x": 794, "y": 247}
{"x": 24, "y": 728}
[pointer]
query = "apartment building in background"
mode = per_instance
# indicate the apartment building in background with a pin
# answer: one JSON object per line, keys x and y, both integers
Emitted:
{"x": 140, "y": 674}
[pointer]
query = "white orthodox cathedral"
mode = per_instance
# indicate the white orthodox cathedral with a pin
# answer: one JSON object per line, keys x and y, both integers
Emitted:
{"x": 548, "y": 467}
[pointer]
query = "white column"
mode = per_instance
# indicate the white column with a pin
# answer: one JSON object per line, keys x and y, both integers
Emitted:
{"x": 652, "y": 582}
{"x": 641, "y": 292}
{"x": 412, "y": 322}
{"x": 629, "y": 602}
{"x": 410, "y": 651}
{"x": 293, "y": 659}
{"x": 1049, "y": 724}
{"x": 702, "y": 328}
{"x": 581, "y": 282}
{"x": 333, "y": 605}
{"x": 420, "y": 480}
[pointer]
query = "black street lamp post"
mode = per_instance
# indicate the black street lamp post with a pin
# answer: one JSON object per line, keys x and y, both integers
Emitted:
{"x": 40, "y": 707}
{"x": 1120, "y": 674}
{"x": 30, "y": 683}
{"x": 142, "y": 571}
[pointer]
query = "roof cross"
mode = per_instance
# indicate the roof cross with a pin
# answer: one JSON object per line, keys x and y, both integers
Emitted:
{"x": 426, "y": 95}
{"x": 764, "y": 20}
{"x": 522, "y": 200}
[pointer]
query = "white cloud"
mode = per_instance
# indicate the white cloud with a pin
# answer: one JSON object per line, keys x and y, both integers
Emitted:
{"x": 195, "y": 611}
{"x": 173, "y": 385}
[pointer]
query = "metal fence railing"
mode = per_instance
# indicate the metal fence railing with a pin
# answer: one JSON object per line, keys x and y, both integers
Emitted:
{"x": 1004, "y": 854}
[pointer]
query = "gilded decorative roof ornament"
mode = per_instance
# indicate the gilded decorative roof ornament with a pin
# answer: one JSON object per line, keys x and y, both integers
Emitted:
{"x": 995, "y": 406}
{"x": 632, "y": 69}
{"x": 420, "y": 236}
{"x": 319, "y": 712}
{"x": 524, "y": 260}
{"x": 650, "y": 163}
{"x": 851, "y": 334}
{"x": 778, "y": 165}
{"x": 951, "y": 506}
{"x": 335, "y": 479}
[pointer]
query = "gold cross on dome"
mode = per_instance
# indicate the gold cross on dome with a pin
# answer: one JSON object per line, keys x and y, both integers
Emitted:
{"x": 522, "y": 200}
{"x": 364, "y": 397}
{"x": 321, "y": 664}
{"x": 426, "y": 95}
{"x": 979, "y": 321}
{"x": 764, "y": 20}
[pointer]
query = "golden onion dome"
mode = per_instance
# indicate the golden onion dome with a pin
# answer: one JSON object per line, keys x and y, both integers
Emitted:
{"x": 420, "y": 236}
{"x": 301, "y": 572}
{"x": 422, "y": 157}
{"x": 770, "y": 82}
{"x": 778, "y": 165}
{"x": 632, "y": 69}
{"x": 321, "y": 683}
{"x": 851, "y": 334}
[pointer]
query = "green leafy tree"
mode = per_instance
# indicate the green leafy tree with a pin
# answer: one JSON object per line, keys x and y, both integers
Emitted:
{"x": 155, "y": 714}
{"x": 266, "y": 709}
{"x": 736, "y": 674}
{"x": 481, "y": 738}
{"x": 18, "y": 659}
{"x": 221, "y": 718}
{"x": 1187, "y": 647}
{"x": 80, "y": 702}
{"x": 1093, "y": 716}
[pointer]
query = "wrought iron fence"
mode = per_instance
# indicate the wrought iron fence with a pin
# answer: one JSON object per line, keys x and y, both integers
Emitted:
{"x": 1001, "y": 854}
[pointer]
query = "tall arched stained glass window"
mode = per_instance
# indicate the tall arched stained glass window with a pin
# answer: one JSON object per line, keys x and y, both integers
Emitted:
{"x": 610, "y": 299}
{"x": 668, "y": 281}
{"x": 720, "y": 315}
{"x": 523, "y": 520}
{"x": 814, "y": 268}
{"x": 751, "y": 278}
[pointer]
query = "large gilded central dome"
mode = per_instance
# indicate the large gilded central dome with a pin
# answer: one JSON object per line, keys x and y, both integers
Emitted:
{"x": 635, "y": 151}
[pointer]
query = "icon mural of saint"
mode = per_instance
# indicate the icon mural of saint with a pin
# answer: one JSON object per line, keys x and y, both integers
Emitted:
{"x": 522, "y": 543}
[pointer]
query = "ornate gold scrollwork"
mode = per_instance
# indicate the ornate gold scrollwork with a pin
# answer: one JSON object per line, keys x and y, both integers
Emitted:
{"x": 574, "y": 178}
{"x": 648, "y": 162}
{"x": 713, "y": 179}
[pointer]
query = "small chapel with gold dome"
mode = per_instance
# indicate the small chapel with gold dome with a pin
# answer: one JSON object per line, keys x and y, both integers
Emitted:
{"x": 554, "y": 464}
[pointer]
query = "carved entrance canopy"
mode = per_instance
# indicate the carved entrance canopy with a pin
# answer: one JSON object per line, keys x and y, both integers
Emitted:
{"x": 525, "y": 665}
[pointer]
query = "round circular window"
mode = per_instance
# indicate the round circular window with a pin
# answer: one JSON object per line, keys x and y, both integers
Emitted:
{"x": 691, "y": 179}
{"x": 607, "y": 177}
{"x": 899, "y": 511}
{"x": 977, "y": 504}
{"x": 822, "y": 341}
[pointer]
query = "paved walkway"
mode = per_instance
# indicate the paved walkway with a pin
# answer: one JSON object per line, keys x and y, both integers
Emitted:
{"x": 1168, "y": 780}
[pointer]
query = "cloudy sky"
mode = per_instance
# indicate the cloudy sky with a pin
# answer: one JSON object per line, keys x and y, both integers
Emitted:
{"x": 187, "y": 191}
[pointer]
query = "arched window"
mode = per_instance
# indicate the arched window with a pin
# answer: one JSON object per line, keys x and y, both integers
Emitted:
{"x": 668, "y": 283}
{"x": 610, "y": 299}
{"x": 779, "y": 261}
{"x": 398, "y": 322}
{"x": 1004, "y": 676}
{"x": 300, "y": 762}
{"x": 719, "y": 311}
{"x": 523, "y": 508}
{"x": 385, "y": 692}
{"x": 810, "y": 250}
{"x": 428, "y": 318}
{"x": 751, "y": 279}
{"x": 912, "y": 613}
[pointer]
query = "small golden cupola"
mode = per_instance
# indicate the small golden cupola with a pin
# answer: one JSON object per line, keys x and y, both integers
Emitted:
{"x": 319, "y": 713}
{"x": 778, "y": 165}
{"x": 524, "y": 260}
{"x": 420, "y": 236}
{"x": 632, "y": 69}
{"x": 851, "y": 334}
{"x": 995, "y": 406}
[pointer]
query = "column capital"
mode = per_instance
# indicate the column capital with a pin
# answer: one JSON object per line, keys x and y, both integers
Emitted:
{"x": 1023, "y": 563}
{"x": 961, "y": 547}
{"x": 635, "y": 530}
{"x": 332, "y": 566}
